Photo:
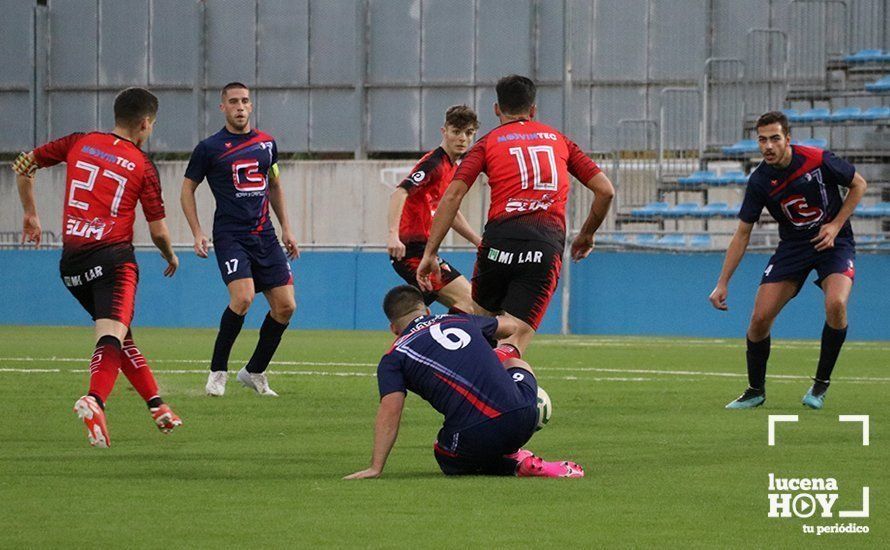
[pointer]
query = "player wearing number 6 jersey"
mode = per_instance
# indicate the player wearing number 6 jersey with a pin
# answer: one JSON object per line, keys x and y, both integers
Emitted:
{"x": 107, "y": 174}
{"x": 240, "y": 165}
{"x": 528, "y": 166}
{"x": 799, "y": 186}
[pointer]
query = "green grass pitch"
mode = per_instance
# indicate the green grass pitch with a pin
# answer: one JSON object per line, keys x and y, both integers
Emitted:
{"x": 666, "y": 465}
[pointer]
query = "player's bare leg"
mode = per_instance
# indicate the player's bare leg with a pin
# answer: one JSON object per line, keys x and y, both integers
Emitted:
{"x": 522, "y": 337}
{"x": 457, "y": 294}
{"x": 104, "y": 367}
{"x": 836, "y": 287}
{"x": 241, "y": 294}
{"x": 505, "y": 350}
{"x": 281, "y": 308}
{"x": 769, "y": 301}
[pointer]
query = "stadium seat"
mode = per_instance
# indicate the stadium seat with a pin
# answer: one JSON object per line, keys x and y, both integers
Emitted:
{"x": 741, "y": 147}
{"x": 819, "y": 143}
{"x": 651, "y": 210}
{"x": 700, "y": 241}
{"x": 792, "y": 114}
{"x": 698, "y": 177}
{"x": 733, "y": 177}
{"x": 882, "y": 85}
{"x": 819, "y": 114}
{"x": 673, "y": 240}
{"x": 874, "y": 113}
{"x": 646, "y": 239}
{"x": 868, "y": 56}
{"x": 614, "y": 238}
{"x": 844, "y": 114}
{"x": 713, "y": 210}
{"x": 733, "y": 210}
{"x": 683, "y": 210}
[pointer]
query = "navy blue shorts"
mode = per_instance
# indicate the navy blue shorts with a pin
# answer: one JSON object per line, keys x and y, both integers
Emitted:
{"x": 480, "y": 449}
{"x": 259, "y": 257}
{"x": 794, "y": 260}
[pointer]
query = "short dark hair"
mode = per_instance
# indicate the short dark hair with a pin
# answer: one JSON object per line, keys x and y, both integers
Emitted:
{"x": 773, "y": 117}
{"x": 461, "y": 117}
{"x": 134, "y": 104}
{"x": 516, "y": 94}
{"x": 401, "y": 301}
{"x": 233, "y": 86}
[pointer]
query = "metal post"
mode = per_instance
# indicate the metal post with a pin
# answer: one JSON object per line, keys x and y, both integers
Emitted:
{"x": 566, "y": 118}
{"x": 362, "y": 28}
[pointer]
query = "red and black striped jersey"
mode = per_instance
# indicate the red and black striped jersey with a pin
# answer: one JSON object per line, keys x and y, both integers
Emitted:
{"x": 106, "y": 176}
{"x": 528, "y": 165}
{"x": 425, "y": 186}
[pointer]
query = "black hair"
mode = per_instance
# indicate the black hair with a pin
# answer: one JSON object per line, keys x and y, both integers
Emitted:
{"x": 516, "y": 94}
{"x": 233, "y": 86}
{"x": 401, "y": 301}
{"x": 773, "y": 117}
{"x": 134, "y": 104}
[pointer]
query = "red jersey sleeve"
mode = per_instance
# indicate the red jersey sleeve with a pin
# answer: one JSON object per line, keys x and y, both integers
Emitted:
{"x": 579, "y": 164}
{"x": 151, "y": 198}
{"x": 56, "y": 151}
{"x": 425, "y": 172}
{"x": 472, "y": 164}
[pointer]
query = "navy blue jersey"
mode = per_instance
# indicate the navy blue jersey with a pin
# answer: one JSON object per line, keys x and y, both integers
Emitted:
{"x": 801, "y": 197}
{"x": 237, "y": 169}
{"x": 447, "y": 360}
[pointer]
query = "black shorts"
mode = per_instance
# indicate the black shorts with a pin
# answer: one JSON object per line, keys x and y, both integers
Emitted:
{"x": 517, "y": 276}
{"x": 104, "y": 282}
{"x": 258, "y": 257}
{"x": 407, "y": 270}
{"x": 795, "y": 260}
{"x": 481, "y": 449}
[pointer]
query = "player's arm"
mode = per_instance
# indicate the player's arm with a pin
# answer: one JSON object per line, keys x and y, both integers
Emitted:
{"x": 734, "y": 254}
{"x": 603, "y": 193}
{"x": 190, "y": 209}
{"x": 825, "y": 239}
{"x": 442, "y": 221}
{"x": 160, "y": 236}
{"x": 276, "y": 198}
{"x": 386, "y": 429}
{"x": 24, "y": 167}
{"x": 463, "y": 228}
{"x": 395, "y": 247}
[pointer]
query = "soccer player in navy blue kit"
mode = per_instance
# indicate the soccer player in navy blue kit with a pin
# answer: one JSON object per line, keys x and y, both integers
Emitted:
{"x": 489, "y": 408}
{"x": 240, "y": 164}
{"x": 800, "y": 187}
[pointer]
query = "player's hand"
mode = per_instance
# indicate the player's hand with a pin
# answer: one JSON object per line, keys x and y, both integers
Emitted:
{"x": 172, "y": 265}
{"x": 201, "y": 245}
{"x": 825, "y": 239}
{"x": 290, "y": 245}
{"x": 395, "y": 248}
{"x": 364, "y": 474}
{"x": 427, "y": 271}
{"x": 582, "y": 246}
{"x": 31, "y": 230}
{"x": 718, "y": 297}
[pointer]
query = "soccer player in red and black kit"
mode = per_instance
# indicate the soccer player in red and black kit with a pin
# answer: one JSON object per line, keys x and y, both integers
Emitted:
{"x": 240, "y": 164}
{"x": 528, "y": 166}
{"x": 413, "y": 203}
{"x": 800, "y": 187}
{"x": 107, "y": 174}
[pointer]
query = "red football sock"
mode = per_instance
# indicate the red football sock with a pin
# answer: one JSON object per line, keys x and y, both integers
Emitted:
{"x": 506, "y": 351}
{"x": 104, "y": 366}
{"x": 137, "y": 371}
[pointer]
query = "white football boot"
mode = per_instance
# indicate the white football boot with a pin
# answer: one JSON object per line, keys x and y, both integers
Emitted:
{"x": 216, "y": 383}
{"x": 258, "y": 382}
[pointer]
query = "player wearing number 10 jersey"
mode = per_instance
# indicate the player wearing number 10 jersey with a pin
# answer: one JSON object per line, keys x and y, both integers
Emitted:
{"x": 107, "y": 174}
{"x": 528, "y": 166}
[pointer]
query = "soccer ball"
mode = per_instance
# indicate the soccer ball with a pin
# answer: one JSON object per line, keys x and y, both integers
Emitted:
{"x": 545, "y": 408}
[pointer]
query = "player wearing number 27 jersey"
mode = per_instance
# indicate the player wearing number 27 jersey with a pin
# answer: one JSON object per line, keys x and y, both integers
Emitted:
{"x": 529, "y": 165}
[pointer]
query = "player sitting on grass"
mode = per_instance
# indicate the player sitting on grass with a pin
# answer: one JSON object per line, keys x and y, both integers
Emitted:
{"x": 489, "y": 407}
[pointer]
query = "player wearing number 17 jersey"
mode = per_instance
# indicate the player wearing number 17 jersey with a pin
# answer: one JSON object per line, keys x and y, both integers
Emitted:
{"x": 528, "y": 166}
{"x": 107, "y": 174}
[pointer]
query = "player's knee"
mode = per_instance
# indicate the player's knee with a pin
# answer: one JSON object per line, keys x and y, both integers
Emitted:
{"x": 760, "y": 325}
{"x": 835, "y": 308}
{"x": 240, "y": 304}
{"x": 285, "y": 310}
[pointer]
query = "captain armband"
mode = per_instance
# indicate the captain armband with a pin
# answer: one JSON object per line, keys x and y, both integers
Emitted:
{"x": 25, "y": 165}
{"x": 274, "y": 170}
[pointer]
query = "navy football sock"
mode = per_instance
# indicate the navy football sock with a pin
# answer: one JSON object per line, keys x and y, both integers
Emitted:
{"x": 229, "y": 327}
{"x": 832, "y": 341}
{"x": 757, "y": 356}
{"x": 270, "y": 337}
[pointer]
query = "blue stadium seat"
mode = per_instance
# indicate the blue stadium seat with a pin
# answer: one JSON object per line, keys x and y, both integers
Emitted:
{"x": 698, "y": 177}
{"x": 844, "y": 114}
{"x": 792, "y": 114}
{"x": 733, "y": 210}
{"x": 819, "y": 114}
{"x": 700, "y": 241}
{"x": 819, "y": 143}
{"x": 713, "y": 210}
{"x": 614, "y": 238}
{"x": 683, "y": 210}
{"x": 882, "y": 85}
{"x": 733, "y": 177}
{"x": 651, "y": 210}
{"x": 879, "y": 210}
{"x": 741, "y": 147}
{"x": 874, "y": 113}
{"x": 868, "y": 56}
{"x": 646, "y": 239}
{"x": 673, "y": 240}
